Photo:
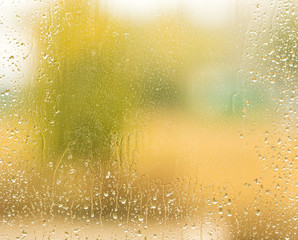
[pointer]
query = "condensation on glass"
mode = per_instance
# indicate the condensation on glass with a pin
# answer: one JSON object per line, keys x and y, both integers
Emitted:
{"x": 148, "y": 119}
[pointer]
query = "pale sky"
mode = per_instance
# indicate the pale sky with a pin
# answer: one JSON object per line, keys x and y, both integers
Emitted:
{"x": 205, "y": 11}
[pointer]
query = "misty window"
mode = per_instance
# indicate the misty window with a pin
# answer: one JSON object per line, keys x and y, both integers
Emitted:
{"x": 148, "y": 119}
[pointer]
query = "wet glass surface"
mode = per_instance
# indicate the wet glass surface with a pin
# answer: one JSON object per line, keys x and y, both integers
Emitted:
{"x": 148, "y": 119}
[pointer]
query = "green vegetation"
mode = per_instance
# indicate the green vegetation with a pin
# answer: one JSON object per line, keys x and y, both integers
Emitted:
{"x": 94, "y": 72}
{"x": 97, "y": 72}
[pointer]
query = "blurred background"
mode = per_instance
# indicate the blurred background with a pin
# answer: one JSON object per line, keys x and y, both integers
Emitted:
{"x": 142, "y": 119}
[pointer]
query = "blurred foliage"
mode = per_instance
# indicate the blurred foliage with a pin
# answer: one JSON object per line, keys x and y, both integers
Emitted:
{"x": 96, "y": 72}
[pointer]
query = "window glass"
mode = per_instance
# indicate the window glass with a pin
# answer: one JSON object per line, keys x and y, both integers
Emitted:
{"x": 148, "y": 119}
